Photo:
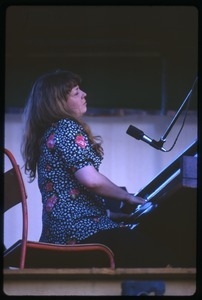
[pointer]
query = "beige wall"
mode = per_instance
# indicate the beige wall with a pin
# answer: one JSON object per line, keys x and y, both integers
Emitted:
{"x": 128, "y": 162}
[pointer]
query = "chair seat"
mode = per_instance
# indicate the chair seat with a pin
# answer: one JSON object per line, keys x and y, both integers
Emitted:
{"x": 43, "y": 255}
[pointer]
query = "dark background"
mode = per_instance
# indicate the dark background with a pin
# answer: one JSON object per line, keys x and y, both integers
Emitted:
{"x": 137, "y": 57}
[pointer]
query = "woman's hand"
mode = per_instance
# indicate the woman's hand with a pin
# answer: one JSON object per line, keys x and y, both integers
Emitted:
{"x": 117, "y": 217}
{"x": 134, "y": 200}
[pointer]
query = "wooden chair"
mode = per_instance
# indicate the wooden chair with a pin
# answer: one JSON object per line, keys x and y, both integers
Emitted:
{"x": 33, "y": 254}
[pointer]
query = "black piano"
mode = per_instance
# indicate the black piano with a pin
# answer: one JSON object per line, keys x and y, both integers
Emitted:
{"x": 170, "y": 213}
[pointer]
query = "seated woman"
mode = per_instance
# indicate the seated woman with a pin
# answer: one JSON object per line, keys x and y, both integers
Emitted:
{"x": 60, "y": 148}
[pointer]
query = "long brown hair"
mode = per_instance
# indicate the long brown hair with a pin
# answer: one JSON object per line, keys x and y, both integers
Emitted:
{"x": 46, "y": 105}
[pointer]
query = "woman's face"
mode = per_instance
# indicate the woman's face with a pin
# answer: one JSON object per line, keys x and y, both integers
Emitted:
{"x": 76, "y": 101}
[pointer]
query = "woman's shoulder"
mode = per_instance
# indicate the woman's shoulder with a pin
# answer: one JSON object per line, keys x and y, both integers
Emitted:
{"x": 68, "y": 123}
{"x": 68, "y": 127}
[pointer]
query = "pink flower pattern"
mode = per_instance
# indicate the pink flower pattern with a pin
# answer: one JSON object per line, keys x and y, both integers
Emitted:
{"x": 73, "y": 193}
{"x": 48, "y": 168}
{"x": 50, "y": 141}
{"x": 50, "y": 203}
{"x": 71, "y": 242}
{"x": 80, "y": 141}
{"x": 49, "y": 186}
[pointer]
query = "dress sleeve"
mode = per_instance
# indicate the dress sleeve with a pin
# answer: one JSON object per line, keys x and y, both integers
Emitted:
{"x": 74, "y": 146}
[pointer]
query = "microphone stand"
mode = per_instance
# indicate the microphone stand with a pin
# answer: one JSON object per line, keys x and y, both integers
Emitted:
{"x": 163, "y": 138}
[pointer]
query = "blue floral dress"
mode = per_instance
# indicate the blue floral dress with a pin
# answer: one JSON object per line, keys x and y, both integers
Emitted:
{"x": 70, "y": 213}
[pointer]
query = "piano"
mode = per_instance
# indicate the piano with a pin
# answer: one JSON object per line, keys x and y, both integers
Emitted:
{"x": 170, "y": 213}
{"x": 171, "y": 179}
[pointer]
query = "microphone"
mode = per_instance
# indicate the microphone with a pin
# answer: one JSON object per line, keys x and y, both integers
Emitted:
{"x": 139, "y": 135}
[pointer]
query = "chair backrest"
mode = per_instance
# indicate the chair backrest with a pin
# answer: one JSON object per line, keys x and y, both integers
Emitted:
{"x": 36, "y": 254}
{"x": 15, "y": 193}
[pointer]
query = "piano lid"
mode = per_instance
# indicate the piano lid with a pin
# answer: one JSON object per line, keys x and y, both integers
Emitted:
{"x": 167, "y": 175}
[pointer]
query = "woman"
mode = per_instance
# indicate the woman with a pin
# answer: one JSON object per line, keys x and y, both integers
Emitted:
{"x": 60, "y": 148}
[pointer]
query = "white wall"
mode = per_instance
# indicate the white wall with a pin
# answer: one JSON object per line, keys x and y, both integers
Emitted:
{"x": 128, "y": 162}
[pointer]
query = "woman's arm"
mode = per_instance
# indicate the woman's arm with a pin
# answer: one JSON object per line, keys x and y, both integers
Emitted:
{"x": 101, "y": 185}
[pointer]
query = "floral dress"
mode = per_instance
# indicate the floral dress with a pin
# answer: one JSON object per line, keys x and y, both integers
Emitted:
{"x": 70, "y": 213}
